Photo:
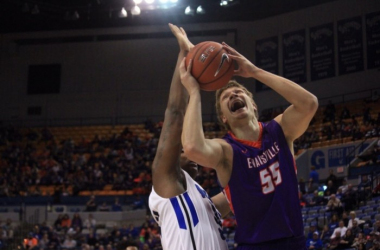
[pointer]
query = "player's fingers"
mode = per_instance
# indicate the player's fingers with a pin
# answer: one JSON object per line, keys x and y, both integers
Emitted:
{"x": 174, "y": 29}
{"x": 230, "y": 49}
{"x": 183, "y": 31}
{"x": 189, "y": 66}
{"x": 182, "y": 66}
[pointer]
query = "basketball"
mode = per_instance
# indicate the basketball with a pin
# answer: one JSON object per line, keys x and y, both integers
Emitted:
{"x": 212, "y": 66}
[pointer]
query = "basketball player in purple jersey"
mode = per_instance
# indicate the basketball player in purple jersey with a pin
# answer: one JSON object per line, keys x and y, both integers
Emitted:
{"x": 254, "y": 161}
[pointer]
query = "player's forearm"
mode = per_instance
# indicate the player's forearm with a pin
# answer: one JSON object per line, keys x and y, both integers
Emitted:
{"x": 178, "y": 95}
{"x": 292, "y": 92}
{"x": 192, "y": 134}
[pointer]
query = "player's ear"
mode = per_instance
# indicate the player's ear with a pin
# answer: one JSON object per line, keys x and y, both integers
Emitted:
{"x": 224, "y": 119}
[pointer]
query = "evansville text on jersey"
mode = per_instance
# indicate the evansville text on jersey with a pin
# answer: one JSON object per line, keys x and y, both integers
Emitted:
{"x": 263, "y": 158}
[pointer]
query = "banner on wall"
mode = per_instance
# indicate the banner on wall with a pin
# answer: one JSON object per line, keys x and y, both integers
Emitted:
{"x": 372, "y": 21}
{"x": 294, "y": 56}
{"x": 322, "y": 63}
{"x": 350, "y": 45}
{"x": 334, "y": 157}
{"x": 266, "y": 57}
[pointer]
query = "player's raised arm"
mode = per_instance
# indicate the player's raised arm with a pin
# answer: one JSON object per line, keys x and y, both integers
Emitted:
{"x": 206, "y": 152}
{"x": 166, "y": 167}
{"x": 296, "y": 118}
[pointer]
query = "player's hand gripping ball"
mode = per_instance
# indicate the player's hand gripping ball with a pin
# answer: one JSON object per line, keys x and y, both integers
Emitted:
{"x": 212, "y": 66}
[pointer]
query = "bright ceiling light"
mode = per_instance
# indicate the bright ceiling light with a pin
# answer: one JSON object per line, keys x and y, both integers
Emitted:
{"x": 189, "y": 10}
{"x": 136, "y": 10}
{"x": 200, "y": 10}
{"x": 164, "y": 1}
{"x": 137, "y": 1}
{"x": 173, "y": 1}
{"x": 223, "y": 2}
{"x": 123, "y": 13}
{"x": 149, "y": 1}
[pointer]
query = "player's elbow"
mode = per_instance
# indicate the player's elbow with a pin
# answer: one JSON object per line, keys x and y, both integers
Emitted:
{"x": 311, "y": 104}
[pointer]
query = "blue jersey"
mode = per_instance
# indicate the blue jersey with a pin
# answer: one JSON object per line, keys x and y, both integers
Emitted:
{"x": 263, "y": 188}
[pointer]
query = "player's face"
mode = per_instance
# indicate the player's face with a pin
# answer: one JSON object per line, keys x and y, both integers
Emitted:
{"x": 236, "y": 104}
{"x": 189, "y": 166}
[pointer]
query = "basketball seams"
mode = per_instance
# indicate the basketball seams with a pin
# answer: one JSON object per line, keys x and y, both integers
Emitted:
{"x": 222, "y": 75}
{"x": 209, "y": 62}
{"x": 197, "y": 53}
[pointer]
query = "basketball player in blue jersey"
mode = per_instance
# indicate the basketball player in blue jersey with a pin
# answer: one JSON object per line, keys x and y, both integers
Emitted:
{"x": 254, "y": 161}
{"x": 187, "y": 216}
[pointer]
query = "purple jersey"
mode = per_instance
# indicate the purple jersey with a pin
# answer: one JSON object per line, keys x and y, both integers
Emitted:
{"x": 263, "y": 188}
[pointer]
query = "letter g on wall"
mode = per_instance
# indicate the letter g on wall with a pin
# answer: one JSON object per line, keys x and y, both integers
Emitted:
{"x": 318, "y": 159}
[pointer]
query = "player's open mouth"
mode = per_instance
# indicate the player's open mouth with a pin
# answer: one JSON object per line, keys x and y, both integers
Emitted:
{"x": 236, "y": 105}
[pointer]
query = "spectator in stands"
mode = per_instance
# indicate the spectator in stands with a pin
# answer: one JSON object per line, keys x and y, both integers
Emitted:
{"x": 314, "y": 243}
{"x": 302, "y": 186}
{"x": 347, "y": 240}
{"x": 354, "y": 218}
{"x": 373, "y": 242}
{"x": 349, "y": 198}
{"x": 116, "y": 206}
{"x": 355, "y": 228}
{"x": 91, "y": 204}
{"x": 30, "y": 243}
{"x": 345, "y": 218}
{"x": 316, "y": 200}
{"x": 313, "y": 228}
{"x": 138, "y": 203}
{"x": 54, "y": 241}
{"x": 376, "y": 226}
{"x": 69, "y": 243}
{"x": 314, "y": 180}
{"x": 335, "y": 241}
{"x": 341, "y": 229}
{"x": 339, "y": 194}
{"x": 91, "y": 239}
{"x": 77, "y": 234}
{"x": 8, "y": 228}
{"x": 331, "y": 189}
{"x": 90, "y": 222}
{"x": 364, "y": 188}
{"x": 58, "y": 223}
{"x": 334, "y": 222}
{"x": 133, "y": 232}
{"x": 76, "y": 221}
{"x": 359, "y": 241}
{"x": 332, "y": 177}
{"x": 345, "y": 114}
{"x": 334, "y": 205}
{"x": 325, "y": 234}
{"x": 65, "y": 222}
{"x": 343, "y": 186}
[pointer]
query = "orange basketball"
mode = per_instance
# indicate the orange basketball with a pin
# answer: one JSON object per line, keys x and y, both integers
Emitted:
{"x": 212, "y": 66}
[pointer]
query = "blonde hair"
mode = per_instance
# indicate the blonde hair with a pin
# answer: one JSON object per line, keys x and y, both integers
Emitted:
{"x": 218, "y": 93}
